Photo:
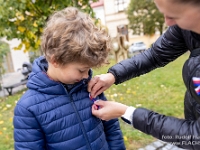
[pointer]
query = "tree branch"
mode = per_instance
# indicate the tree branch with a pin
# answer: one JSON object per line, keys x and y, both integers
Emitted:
{"x": 36, "y": 8}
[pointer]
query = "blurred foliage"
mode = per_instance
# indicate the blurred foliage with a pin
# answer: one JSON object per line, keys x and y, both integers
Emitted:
{"x": 4, "y": 50}
{"x": 25, "y": 19}
{"x": 144, "y": 17}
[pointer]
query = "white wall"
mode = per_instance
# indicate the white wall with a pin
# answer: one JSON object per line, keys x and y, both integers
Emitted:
{"x": 99, "y": 13}
{"x": 18, "y": 56}
{"x": 114, "y": 18}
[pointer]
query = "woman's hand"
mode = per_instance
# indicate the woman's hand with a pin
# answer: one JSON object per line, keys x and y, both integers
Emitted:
{"x": 108, "y": 109}
{"x": 100, "y": 83}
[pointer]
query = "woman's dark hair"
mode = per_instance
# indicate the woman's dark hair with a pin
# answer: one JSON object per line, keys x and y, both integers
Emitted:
{"x": 187, "y": 1}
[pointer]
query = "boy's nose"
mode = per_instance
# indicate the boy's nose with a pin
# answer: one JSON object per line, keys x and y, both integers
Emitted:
{"x": 85, "y": 76}
{"x": 169, "y": 22}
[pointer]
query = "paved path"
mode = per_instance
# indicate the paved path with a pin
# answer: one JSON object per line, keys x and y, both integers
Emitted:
{"x": 12, "y": 78}
{"x": 160, "y": 145}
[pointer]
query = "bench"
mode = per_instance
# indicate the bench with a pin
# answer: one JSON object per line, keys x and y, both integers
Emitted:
{"x": 10, "y": 87}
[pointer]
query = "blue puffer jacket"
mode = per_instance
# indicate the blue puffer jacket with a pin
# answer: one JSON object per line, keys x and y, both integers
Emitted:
{"x": 49, "y": 117}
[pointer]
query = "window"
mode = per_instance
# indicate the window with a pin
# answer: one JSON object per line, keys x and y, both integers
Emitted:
{"x": 120, "y": 5}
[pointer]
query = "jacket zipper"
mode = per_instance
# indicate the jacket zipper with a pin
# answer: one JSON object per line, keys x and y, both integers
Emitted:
{"x": 79, "y": 119}
{"x": 82, "y": 126}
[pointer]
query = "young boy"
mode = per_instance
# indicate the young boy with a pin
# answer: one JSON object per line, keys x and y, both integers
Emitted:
{"x": 55, "y": 112}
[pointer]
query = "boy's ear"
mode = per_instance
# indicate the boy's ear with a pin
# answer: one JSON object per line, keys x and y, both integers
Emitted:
{"x": 53, "y": 62}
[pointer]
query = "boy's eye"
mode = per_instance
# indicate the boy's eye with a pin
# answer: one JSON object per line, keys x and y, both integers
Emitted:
{"x": 81, "y": 71}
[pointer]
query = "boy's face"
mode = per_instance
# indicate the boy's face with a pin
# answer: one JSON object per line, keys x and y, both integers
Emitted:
{"x": 68, "y": 74}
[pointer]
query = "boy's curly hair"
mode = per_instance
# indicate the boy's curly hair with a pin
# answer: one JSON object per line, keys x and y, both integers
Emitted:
{"x": 71, "y": 36}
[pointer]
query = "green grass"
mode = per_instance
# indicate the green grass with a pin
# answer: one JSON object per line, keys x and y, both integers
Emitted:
{"x": 7, "y": 105}
{"x": 161, "y": 90}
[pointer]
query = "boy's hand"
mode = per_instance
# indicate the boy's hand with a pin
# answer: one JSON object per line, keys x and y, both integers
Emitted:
{"x": 100, "y": 83}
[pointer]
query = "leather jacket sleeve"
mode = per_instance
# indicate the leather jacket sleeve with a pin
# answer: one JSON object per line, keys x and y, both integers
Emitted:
{"x": 167, "y": 48}
{"x": 180, "y": 132}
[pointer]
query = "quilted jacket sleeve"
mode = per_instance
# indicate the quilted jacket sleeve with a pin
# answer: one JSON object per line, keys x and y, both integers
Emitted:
{"x": 113, "y": 132}
{"x": 27, "y": 133}
{"x": 183, "y": 133}
{"x": 166, "y": 49}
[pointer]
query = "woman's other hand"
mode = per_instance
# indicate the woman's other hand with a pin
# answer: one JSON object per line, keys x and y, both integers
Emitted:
{"x": 100, "y": 83}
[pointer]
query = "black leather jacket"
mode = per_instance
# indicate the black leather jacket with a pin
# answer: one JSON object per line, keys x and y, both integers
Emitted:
{"x": 173, "y": 43}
